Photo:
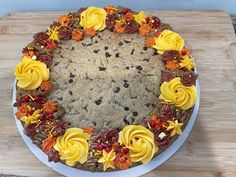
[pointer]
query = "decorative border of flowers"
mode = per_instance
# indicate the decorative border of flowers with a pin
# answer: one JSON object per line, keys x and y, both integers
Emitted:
{"x": 116, "y": 148}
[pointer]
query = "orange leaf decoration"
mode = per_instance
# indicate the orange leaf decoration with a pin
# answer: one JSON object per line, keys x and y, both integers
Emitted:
{"x": 48, "y": 143}
{"x": 90, "y": 31}
{"x": 50, "y": 107}
{"x": 119, "y": 27}
{"x": 110, "y": 9}
{"x": 128, "y": 16}
{"x": 144, "y": 29}
{"x": 172, "y": 64}
{"x": 77, "y": 35}
{"x": 22, "y": 111}
{"x": 149, "y": 42}
{"x": 89, "y": 130}
{"x": 45, "y": 86}
{"x": 64, "y": 20}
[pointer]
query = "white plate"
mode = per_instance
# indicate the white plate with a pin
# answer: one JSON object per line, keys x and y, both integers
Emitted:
{"x": 131, "y": 172}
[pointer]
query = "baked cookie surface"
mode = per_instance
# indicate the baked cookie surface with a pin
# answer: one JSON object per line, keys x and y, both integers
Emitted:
{"x": 107, "y": 81}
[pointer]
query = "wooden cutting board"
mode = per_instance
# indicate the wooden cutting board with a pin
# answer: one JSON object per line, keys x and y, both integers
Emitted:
{"x": 211, "y": 148}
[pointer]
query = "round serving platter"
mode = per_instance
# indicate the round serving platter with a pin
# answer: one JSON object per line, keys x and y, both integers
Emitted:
{"x": 131, "y": 172}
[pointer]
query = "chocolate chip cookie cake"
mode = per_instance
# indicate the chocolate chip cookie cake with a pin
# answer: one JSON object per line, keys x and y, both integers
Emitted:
{"x": 105, "y": 89}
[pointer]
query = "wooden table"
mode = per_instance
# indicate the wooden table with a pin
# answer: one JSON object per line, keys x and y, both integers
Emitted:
{"x": 211, "y": 148}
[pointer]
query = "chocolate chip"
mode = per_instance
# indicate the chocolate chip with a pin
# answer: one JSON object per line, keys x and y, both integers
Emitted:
{"x": 148, "y": 104}
{"x": 127, "y": 67}
{"x": 126, "y": 85}
{"x": 134, "y": 97}
{"x": 101, "y": 68}
{"x": 86, "y": 108}
{"x": 56, "y": 63}
{"x": 72, "y": 75}
{"x": 96, "y": 51}
{"x": 60, "y": 99}
{"x": 98, "y": 102}
{"x": 132, "y": 52}
{"x": 116, "y": 90}
{"x": 105, "y": 47}
{"x": 107, "y": 54}
{"x": 135, "y": 114}
{"x": 147, "y": 60}
{"x": 139, "y": 67}
{"x": 89, "y": 44}
{"x": 144, "y": 48}
{"x": 70, "y": 92}
{"x": 132, "y": 119}
{"x": 96, "y": 41}
{"x": 117, "y": 55}
{"x": 70, "y": 80}
{"x": 153, "y": 105}
{"x": 155, "y": 53}
{"x": 126, "y": 121}
{"x": 94, "y": 123}
{"x": 73, "y": 48}
{"x": 120, "y": 43}
{"x": 126, "y": 108}
{"x": 126, "y": 41}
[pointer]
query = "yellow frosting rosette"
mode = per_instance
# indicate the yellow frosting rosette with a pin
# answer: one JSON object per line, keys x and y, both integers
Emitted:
{"x": 73, "y": 146}
{"x": 168, "y": 40}
{"x": 93, "y": 17}
{"x": 30, "y": 73}
{"x": 174, "y": 92}
{"x": 140, "y": 142}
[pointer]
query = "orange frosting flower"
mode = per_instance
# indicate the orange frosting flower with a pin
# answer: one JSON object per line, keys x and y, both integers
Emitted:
{"x": 184, "y": 52}
{"x": 144, "y": 29}
{"x": 149, "y": 42}
{"x": 50, "y": 107}
{"x": 64, "y": 20}
{"x": 122, "y": 161}
{"x": 28, "y": 54}
{"x": 128, "y": 16}
{"x": 22, "y": 111}
{"x": 45, "y": 86}
{"x": 77, "y": 35}
{"x": 172, "y": 64}
{"x": 119, "y": 27}
{"x": 90, "y": 31}
{"x": 89, "y": 130}
{"x": 51, "y": 44}
{"x": 156, "y": 34}
{"x": 48, "y": 143}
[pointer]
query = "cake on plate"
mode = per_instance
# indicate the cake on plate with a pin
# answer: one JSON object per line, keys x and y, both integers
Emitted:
{"x": 105, "y": 89}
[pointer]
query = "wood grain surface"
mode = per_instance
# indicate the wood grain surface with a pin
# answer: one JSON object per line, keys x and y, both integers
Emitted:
{"x": 209, "y": 151}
